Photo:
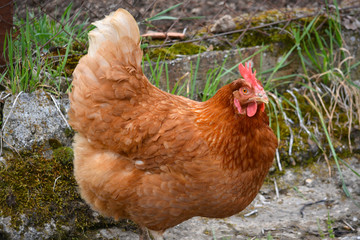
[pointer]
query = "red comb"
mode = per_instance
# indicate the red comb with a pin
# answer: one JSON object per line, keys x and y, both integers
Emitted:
{"x": 248, "y": 75}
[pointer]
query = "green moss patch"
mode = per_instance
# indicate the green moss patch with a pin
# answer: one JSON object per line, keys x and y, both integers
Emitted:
{"x": 45, "y": 190}
{"x": 174, "y": 51}
{"x": 38, "y": 187}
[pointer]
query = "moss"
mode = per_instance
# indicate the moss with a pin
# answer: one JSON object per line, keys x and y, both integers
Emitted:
{"x": 71, "y": 63}
{"x": 172, "y": 52}
{"x": 54, "y": 143}
{"x": 29, "y": 181}
{"x": 78, "y": 47}
{"x": 272, "y": 37}
{"x": 44, "y": 190}
{"x": 64, "y": 155}
{"x": 74, "y": 55}
{"x": 69, "y": 132}
{"x": 207, "y": 232}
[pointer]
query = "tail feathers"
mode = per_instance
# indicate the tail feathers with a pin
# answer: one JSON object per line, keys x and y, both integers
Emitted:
{"x": 110, "y": 71}
{"x": 119, "y": 28}
{"x": 117, "y": 25}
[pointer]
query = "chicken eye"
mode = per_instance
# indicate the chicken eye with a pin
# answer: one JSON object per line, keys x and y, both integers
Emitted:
{"x": 244, "y": 90}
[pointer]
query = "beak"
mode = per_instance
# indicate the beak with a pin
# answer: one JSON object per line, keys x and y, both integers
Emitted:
{"x": 260, "y": 97}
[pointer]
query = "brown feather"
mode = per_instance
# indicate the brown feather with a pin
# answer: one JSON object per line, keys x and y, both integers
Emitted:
{"x": 153, "y": 157}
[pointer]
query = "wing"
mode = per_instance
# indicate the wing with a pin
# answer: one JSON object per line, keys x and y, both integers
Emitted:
{"x": 116, "y": 108}
{"x": 136, "y": 120}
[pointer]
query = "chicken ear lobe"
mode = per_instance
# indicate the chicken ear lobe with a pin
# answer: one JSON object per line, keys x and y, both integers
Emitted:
{"x": 238, "y": 106}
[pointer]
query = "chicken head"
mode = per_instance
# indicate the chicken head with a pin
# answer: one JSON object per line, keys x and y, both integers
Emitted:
{"x": 250, "y": 95}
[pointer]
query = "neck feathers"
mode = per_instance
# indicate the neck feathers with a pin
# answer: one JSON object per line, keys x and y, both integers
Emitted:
{"x": 236, "y": 139}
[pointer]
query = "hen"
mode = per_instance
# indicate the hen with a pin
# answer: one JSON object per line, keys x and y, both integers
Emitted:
{"x": 159, "y": 159}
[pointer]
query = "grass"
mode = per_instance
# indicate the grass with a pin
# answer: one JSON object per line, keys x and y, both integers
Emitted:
{"x": 38, "y": 49}
{"x": 330, "y": 231}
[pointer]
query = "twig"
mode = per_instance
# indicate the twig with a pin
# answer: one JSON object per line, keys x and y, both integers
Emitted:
{"x": 245, "y": 30}
{"x": 287, "y": 120}
{"x": 250, "y": 213}
{"x": 164, "y": 35}
{"x": 325, "y": 201}
{"x": 2, "y": 98}
{"x": 276, "y": 189}
{"x": 301, "y": 121}
{"x": 328, "y": 164}
{"x": 10, "y": 146}
{"x": 291, "y": 142}
{"x": 57, "y": 107}
{"x": 12, "y": 107}
{"x": 347, "y": 224}
{"x": 278, "y": 159}
{"x": 4, "y": 124}
{"x": 55, "y": 183}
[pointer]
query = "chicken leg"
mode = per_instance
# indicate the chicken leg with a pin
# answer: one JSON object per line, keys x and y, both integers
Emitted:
{"x": 147, "y": 234}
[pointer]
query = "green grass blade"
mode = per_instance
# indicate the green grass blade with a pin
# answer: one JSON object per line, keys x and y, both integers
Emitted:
{"x": 160, "y": 16}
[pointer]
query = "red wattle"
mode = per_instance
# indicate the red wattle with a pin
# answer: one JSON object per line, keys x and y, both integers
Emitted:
{"x": 251, "y": 109}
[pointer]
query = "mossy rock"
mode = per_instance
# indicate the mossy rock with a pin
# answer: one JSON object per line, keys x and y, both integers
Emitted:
{"x": 171, "y": 53}
{"x": 40, "y": 196}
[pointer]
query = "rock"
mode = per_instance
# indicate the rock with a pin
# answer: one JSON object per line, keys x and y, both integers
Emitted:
{"x": 351, "y": 23}
{"x": 224, "y": 24}
{"x": 309, "y": 182}
{"x": 196, "y": 11}
{"x": 32, "y": 119}
{"x": 114, "y": 232}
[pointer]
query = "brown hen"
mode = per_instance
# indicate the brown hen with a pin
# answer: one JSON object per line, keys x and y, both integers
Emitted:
{"x": 156, "y": 158}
